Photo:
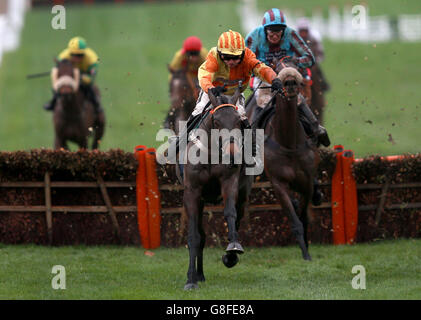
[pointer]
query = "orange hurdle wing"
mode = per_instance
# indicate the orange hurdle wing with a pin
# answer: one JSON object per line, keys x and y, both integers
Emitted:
{"x": 350, "y": 197}
{"x": 141, "y": 195}
{"x": 338, "y": 223}
{"x": 154, "y": 199}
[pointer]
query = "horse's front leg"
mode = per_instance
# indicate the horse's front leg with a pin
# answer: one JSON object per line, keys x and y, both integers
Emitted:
{"x": 200, "y": 274}
{"x": 192, "y": 206}
{"x": 230, "y": 195}
{"x": 297, "y": 228}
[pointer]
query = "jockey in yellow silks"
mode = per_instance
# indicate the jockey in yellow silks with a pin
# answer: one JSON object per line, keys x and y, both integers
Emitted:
{"x": 86, "y": 60}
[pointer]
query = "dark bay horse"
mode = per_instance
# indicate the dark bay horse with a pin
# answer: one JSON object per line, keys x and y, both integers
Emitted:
{"x": 290, "y": 159}
{"x": 208, "y": 181}
{"x": 74, "y": 116}
{"x": 183, "y": 95}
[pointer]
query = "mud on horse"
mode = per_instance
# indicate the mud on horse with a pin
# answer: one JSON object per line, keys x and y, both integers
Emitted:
{"x": 74, "y": 116}
{"x": 207, "y": 182}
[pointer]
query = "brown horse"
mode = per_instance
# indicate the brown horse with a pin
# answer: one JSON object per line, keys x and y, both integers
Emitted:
{"x": 208, "y": 181}
{"x": 183, "y": 95}
{"x": 290, "y": 159}
{"x": 74, "y": 116}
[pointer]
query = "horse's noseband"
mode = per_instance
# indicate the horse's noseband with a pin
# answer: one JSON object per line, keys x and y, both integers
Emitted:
{"x": 222, "y": 106}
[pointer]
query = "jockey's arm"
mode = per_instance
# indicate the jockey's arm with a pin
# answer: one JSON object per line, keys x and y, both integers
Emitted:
{"x": 206, "y": 71}
{"x": 261, "y": 70}
{"x": 305, "y": 58}
{"x": 88, "y": 77}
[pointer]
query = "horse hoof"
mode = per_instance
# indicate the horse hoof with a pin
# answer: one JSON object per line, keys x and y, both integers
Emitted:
{"x": 201, "y": 278}
{"x": 191, "y": 286}
{"x": 235, "y": 247}
{"x": 307, "y": 257}
{"x": 230, "y": 260}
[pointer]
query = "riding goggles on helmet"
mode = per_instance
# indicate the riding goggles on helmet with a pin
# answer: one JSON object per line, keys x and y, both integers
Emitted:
{"x": 227, "y": 57}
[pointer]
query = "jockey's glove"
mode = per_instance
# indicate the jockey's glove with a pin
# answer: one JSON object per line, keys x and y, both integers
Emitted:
{"x": 276, "y": 84}
{"x": 216, "y": 91}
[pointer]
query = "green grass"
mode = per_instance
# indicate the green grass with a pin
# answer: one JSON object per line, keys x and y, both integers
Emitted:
{"x": 372, "y": 108}
{"x": 392, "y": 272}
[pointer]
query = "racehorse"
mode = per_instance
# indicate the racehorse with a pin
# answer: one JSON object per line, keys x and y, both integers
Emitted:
{"x": 183, "y": 95}
{"x": 290, "y": 159}
{"x": 207, "y": 181}
{"x": 74, "y": 116}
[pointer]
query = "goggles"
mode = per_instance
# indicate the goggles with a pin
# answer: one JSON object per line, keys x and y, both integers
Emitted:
{"x": 193, "y": 53}
{"x": 275, "y": 28}
{"x": 227, "y": 57}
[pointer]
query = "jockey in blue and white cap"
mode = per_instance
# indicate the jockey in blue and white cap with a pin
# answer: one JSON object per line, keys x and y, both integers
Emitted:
{"x": 275, "y": 40}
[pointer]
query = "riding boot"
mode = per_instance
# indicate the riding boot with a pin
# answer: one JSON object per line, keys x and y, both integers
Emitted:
{"x": 49, "y": 106}
{"x": 312, "y": 126}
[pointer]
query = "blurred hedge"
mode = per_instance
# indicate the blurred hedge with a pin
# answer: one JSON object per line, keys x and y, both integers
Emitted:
{"x": 113, "y": 165}
{"x": 257, "y": 228}
{"x": 374, "y": 169}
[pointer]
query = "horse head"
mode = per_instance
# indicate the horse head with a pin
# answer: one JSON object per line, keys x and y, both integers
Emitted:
{"x": 291, "y": 78}
{"x": 65, "y": 78}
{"x": 226, "y": 119}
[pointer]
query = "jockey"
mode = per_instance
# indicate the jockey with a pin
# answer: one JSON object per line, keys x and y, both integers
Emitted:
{"x": 86, "y": 60}
{"x": 275, "y": 40}
{"x": 314, "y": 41}
{"x": 227, "y": 64}
{"x": 190, "y": 56}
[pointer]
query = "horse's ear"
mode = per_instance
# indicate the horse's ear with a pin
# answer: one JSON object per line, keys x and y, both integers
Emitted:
{"x": 212, "y": 99}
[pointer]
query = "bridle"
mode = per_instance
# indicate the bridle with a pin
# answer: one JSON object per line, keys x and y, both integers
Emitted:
{"x": 222, "y": 106}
